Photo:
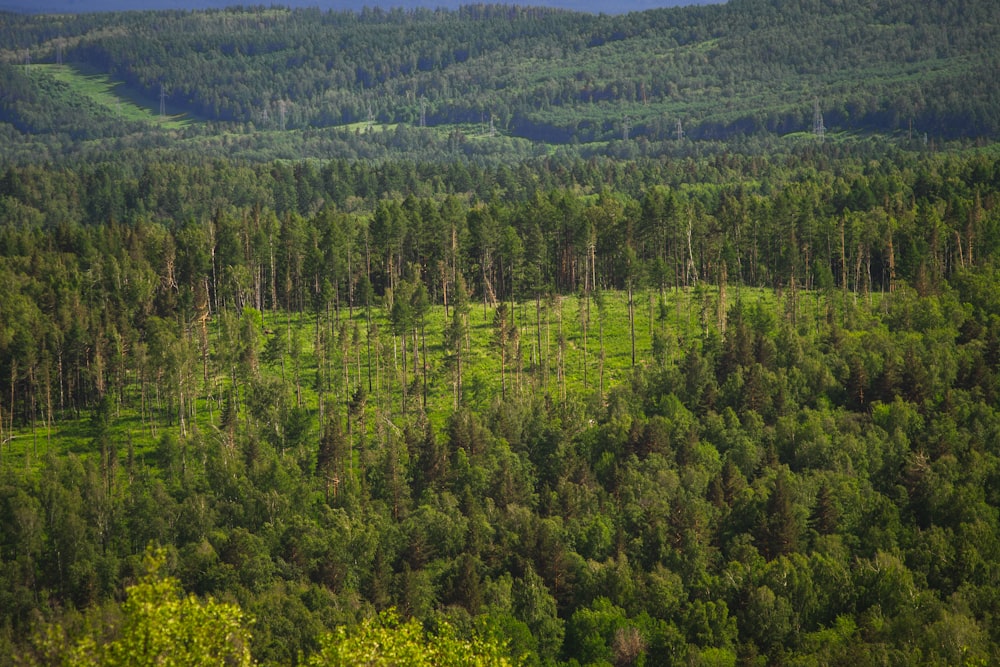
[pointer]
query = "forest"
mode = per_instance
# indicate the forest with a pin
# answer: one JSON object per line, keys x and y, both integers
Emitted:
{"x": 432, "y": 338}
{"x": 484, "y": 81}
{"x": 707, "y": 411}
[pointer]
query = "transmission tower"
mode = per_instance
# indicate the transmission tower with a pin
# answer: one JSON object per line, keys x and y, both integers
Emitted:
{"x": 819, "y": 129}
{"x": 163, "y": 101}
{"x": 423, "y": 112}
{"x": 626, "y": 127}
{"x": 493, "y": 130}
{"x": 679, "y": 131}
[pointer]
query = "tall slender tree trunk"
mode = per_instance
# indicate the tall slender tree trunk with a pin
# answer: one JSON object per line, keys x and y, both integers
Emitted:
{"x": 585, "y": 318}
{"x": 423, "y": 340}
{"x": 631, "y": 319}
{"x": 49, "y": 405}
{"x": 843, "y": 256}
{"x": 723, "y": 276}
{"x": 538, "y": 334}
{"x": 368, "y": 343}
{"x": 458, "y": 376}
{"x": 350, "y": 286}
{"x": 405, "y": 360}
{"x": 180, "y": 403}
{"x": 600, "y": 362}
{"x": 31, "y": 395}
{"x": 503, "y": 368}
{"x": 562, "y": 354}
{"x": 416, "y": 354}
{"x": 892, "y": 265}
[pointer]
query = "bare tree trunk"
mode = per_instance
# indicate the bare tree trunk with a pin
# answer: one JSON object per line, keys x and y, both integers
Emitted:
{"x": 691, "y": 274}
{"x": 416, "y": 354}
{"x": 503, "y": 370}
{"x": 631, "y": 319}
{"x": 423, "y": 340}
{"x": 857, "y": 268}
{"x": 538, "y": 333}
{"x": 180, "y": 403}
{"x": 31, "y": 395}
{"x": 458, "y": 379}
{"x": 600, "y": 361}
{"x": 444, "y": 289}
{"x": 403, "y": 338}
{"x": 723, "y": 276}
{"x": 48, "y": 406}
{"x": 585, "y": 319}
{"x": 843, "y": 257}
{"x": 562, "y": 354}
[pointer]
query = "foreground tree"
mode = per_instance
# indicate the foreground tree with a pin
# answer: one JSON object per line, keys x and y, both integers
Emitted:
{"x": 160, "y": 626}
{"x": 386, "y": 641}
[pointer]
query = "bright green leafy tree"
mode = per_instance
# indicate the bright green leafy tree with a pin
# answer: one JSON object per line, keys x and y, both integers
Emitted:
{"x": 386, "y": 641}
{"x": 160, "y": 626}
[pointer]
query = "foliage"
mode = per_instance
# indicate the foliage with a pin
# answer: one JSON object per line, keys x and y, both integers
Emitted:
{"x": 485, "y": 81}
{"x": 159, "y": 626}
{"x": 734, "y": 408}
{"x": 387, "y": 640}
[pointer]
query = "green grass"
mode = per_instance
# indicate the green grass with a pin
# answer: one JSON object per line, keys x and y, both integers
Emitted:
{"x": 471, "y": 131}
{"x": 365, "y": 127}
{"x": 574, "y": 370}
{"x": 112, "y": 95}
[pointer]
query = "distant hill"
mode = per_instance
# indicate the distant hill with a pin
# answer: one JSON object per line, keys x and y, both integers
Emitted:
{"x": 83, "y": 6}
{"x": 373, "y": 83}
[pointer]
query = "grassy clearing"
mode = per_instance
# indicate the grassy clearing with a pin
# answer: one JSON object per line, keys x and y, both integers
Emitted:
{"x": 112, "y": 95}
{"x": 470, "y": 131}
{"x": 561, "y": 352}
{"x": 364, "y": 127}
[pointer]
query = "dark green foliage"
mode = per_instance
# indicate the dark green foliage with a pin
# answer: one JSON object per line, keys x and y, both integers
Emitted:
{"x": 778, "y": 533}
{"x": 483, "y": 82}
{"x": 194, "y": 355}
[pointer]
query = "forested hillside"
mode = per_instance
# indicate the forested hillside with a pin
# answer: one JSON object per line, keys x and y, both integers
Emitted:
{"x": 656, "y": 412}
{"x": 538, "y": 337}
{"x": 347, "y": 84}
{"x": 77, "y": 6}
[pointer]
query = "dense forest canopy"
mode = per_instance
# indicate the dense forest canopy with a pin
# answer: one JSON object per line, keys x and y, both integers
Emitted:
{"x": 478, "y": 78}
{"x": 657, "y": 411}
{"x": 77, "y": 7}
{"x": 504, "y": 334}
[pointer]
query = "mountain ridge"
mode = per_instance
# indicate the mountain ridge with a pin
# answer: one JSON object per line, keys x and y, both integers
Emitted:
{"x": 464, "y": 82}
{"x": 81, "y": 7}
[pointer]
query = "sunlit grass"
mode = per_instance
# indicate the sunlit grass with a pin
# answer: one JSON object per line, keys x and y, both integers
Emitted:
{"x": 111, "y": 95}
{"x": 568, "y": 348}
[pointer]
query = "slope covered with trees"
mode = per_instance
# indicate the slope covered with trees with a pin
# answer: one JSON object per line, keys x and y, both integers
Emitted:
{"x": 706, "y": 411}
{"x": 428, "y": 332}
{"x": 743, "y": 68}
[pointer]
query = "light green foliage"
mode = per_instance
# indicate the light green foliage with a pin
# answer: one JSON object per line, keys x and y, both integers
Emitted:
{"x": 108, "y": 94}
{"x": 160, "y": 627}
{"x": 598, "y": 633}
{"x": 803, "y": 475}
{"x": 388, "y": 641}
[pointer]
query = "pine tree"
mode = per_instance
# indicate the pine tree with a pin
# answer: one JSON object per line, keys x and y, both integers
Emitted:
{"x": 825, "y": 515}
{"x": 779, "y": 532}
